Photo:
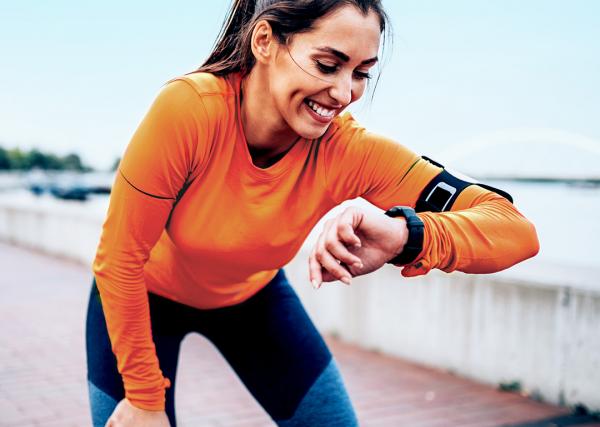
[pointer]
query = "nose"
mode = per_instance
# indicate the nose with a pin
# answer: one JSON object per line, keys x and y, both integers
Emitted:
{"x": 341, "y": 90}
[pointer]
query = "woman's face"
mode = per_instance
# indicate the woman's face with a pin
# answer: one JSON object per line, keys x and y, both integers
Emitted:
{"x": 319, "y": 73}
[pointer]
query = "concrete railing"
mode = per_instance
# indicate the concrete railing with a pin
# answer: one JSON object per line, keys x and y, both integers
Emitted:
{"x": 535, "y": 324}
{"x": 63, "y": 228}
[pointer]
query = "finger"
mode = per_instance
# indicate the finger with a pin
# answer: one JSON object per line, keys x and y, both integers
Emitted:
{"x": 339, "y": 251}
{"x": 321, "y": 255}
{"x": 314, "y": 271}
{"x": 329, "y": 263}
{"x": 351, "y": 219}
{"x": 347, "y": 234}
{"x": 314, "y": 268}
{"x": 327, "y": 276}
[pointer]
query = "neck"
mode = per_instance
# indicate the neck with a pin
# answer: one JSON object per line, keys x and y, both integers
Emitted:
{"x": 267, "y": 134}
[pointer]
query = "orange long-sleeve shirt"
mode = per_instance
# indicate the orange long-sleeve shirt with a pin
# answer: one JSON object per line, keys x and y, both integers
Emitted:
{"x": 191, "y": 218}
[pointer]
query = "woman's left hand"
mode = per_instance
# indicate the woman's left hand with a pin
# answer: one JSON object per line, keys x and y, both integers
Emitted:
{"x": 336, "y": 255}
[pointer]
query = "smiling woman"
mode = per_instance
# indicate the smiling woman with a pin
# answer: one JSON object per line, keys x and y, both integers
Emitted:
{"x": 221, "y": 183}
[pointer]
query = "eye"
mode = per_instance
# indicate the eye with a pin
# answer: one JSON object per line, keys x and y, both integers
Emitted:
{"x": 361, "y": 75}
{"x": 327, "y": 69}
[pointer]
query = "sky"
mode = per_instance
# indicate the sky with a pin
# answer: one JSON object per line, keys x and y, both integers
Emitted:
{"x": 471, "y": 82}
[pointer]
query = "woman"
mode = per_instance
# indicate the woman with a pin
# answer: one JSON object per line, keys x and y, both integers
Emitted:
{"x": 220, "y": 185}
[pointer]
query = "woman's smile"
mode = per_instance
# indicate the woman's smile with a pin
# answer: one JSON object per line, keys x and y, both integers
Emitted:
{"x": 319, "y": 112}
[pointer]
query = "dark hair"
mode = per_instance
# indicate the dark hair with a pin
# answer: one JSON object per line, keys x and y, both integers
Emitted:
{"x": 232, "y": 52}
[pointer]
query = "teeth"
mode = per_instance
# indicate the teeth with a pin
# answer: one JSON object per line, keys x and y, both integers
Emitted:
{"x": 321, "y": 111}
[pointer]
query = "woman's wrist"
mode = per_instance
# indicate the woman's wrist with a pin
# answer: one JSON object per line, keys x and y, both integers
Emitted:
{"x": 399, "y": 236}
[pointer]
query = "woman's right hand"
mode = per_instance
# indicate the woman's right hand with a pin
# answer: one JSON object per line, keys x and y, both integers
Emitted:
{"x": 127, "y": 415}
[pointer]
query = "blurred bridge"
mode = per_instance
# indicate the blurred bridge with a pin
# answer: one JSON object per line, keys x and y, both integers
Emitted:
{"x": 535, "y": 154}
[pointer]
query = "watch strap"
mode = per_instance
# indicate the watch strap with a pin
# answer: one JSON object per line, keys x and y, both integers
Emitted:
{"x": 414, "y": 243}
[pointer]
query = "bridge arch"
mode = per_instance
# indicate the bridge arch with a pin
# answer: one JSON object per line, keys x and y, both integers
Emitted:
{"x": 523, "y": 151}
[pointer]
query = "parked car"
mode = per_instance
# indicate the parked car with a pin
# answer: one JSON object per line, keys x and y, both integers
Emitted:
{"x": 70, "y": 185}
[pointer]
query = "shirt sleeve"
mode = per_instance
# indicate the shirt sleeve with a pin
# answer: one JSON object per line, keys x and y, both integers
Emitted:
{"x": 161, "y": 157}
{"x": 482, "y": 233}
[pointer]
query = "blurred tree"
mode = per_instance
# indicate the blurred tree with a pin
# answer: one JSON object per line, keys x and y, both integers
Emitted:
{"x": 4, "y": 159}
{"x": 36, "y": 159}
{"x": 20, "y": 160}
{"x": 53, "y": 162}
{"x": 72, "y": 161}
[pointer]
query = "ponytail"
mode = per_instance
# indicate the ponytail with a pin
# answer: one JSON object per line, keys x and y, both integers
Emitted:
{"x": 225, "y": 56}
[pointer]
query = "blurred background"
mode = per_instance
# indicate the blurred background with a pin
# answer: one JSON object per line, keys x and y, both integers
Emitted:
{"x": 506, "y": 92}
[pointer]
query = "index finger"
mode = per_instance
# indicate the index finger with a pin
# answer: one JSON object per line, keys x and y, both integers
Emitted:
{"x": 349, "y": 219}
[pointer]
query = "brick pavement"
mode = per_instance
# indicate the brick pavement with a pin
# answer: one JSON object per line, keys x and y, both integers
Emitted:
{"x": 42, "y": 367}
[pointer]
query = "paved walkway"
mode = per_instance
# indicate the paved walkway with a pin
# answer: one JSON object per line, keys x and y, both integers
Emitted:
{"x": 42, "y": 367}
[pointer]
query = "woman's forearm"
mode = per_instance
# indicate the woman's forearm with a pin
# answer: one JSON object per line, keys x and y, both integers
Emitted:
{"x": 483, "y": 233}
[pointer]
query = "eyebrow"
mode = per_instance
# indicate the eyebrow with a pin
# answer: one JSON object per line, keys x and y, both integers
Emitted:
{"x": 343, "y": 56}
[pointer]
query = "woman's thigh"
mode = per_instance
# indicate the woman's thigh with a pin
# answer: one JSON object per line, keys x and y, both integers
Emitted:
{"x": 105, "y": 385}
{"x": 277, "y": 352}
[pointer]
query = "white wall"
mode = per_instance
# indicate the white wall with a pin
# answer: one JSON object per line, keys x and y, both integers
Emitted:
{"x": 537, "y": 324}
{"x": 491, "y": 328}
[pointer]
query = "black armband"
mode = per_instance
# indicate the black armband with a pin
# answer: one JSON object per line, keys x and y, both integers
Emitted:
{"x": 441, "y": 193}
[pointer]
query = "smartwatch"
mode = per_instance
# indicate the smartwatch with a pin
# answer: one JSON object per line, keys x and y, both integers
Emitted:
{"x": 414, "y": 244}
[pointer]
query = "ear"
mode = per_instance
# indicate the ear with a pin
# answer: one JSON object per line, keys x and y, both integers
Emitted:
{"x": 262, "y": 42}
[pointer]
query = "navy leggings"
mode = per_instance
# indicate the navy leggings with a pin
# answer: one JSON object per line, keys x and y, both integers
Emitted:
{"x": 269, "y": 341}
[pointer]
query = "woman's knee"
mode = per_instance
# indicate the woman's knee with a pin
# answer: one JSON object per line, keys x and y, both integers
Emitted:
{"x": 326, "y": 403}
{"x": 105, "y": 387}
{"x": 102, "y": 404}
